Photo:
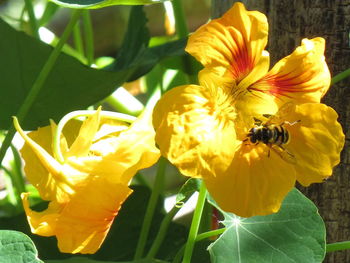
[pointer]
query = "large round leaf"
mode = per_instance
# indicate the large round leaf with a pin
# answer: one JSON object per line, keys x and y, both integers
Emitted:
{"x": 295, "y": 234}
{"x": 16, "y": 247}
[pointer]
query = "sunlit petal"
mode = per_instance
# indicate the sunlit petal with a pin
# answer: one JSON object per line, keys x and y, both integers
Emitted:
{"x": 82, "y": 143}
{"x": 195, "y": 130}
{"x": 85, "y": 221}
{"x": 302, "y": 76}
{"x": 316, "y": 142}
{"x": 234, "y": 42}
{"x": 255, "y": 183}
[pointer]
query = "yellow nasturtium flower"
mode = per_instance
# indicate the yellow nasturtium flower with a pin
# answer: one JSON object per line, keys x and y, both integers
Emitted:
{"x": 86, "y": 190}
{"x": 203, "y": 129}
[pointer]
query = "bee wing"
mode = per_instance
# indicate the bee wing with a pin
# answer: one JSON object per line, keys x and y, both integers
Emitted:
{"x": 284, "y": 154}
{"x": 280, "y": 117}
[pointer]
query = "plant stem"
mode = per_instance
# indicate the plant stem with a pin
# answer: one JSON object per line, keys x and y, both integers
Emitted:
{"x": 182, "y": 32}
{"x": 162, "y": 231}
{"x": 78, "y": 42}
{"x": 178, "y": 256}
{"x": 180, "y": 20}
{"x": 39, "y": 83}
{"x": 158, "y": 184}
{"x": 338, "y": 246}
{"x": 32, "y": 19}
{"x": 340, "y": 76}
{"x": 200, "y": 237}
{"x": 16, "y": 168}
{"x": 195, "y": 224}
{"x": 210, "y": 234}
{"x": 89, "y": 37}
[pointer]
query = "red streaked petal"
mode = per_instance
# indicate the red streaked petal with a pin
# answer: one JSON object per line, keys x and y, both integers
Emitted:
{"x": 235, "y": 41}
{"x": 302, "y": 76}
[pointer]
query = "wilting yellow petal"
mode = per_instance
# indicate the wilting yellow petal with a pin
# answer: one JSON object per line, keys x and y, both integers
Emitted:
{"x": 41, "y": 169}
{"x": 255, "y": 183}
{"x": 42, "y": 223}
{"x": 195, "y": 130}
{"x": 86, "y": 190}
{"x": 85, "y": 221}
{"x": 142, "y": 152}
{"x": 234, "y": 42}
{"x": 302, "y": 76}
{"x": 316, "y": 142}
{"x": 82, "y": 143}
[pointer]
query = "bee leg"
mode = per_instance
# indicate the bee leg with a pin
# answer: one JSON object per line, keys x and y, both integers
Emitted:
{"x": 284, "y": 149}
{"x": 257, "y": 121}
{"x": 290, "y": 123}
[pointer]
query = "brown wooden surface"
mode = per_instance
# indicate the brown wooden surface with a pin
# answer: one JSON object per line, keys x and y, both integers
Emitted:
{"x": 289, "y": 22}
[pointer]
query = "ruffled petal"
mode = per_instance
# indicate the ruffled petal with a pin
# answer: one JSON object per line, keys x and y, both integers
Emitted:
{"x": 81, "y": 145}
{"x": 234, "y": 42}
{"x": 41, "y": 169}
{"x": 316, "y": 141}
{"x": 195, "y": 130}
{"x": 42, "y": 223}
{"x": 255, "y": 183}
{"x": 302, "y": 76}
{"x": 85, "y": 221}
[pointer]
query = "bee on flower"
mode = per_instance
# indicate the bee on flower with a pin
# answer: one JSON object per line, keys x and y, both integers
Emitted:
{"x": 210, "y": 130}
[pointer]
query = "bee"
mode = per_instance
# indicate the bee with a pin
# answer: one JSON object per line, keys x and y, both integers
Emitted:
{"x": 274, "y": 135}
{"x": 269, "y": 134}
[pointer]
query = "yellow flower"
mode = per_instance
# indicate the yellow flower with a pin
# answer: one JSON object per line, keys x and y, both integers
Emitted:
{"x": 86, "y": 190}
{"x": 204, "y": 129}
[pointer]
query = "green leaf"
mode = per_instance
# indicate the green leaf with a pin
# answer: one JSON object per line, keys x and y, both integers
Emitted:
{"x": 189, "y": 187}
{"x": 295, "y": 234}
{"x": 87, "y": 260}
{"x": 16, "y": 247}
{"x": 71, "y": 85}
{"x": 94, "y": 4}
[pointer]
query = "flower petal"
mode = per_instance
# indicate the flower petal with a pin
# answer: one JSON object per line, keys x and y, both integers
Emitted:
{"x": 316, "y": 142}
{"x": 302, "y": 76}
{"x": 255, "y": 183}
{"x": 234, "y": 42}
{"x": 85, "y": 221}
{"x": 41, "y": 169}
{"x": 42, "y": 223}
{"x": 81, "y": 145}
{"x": 195, "y": 130}
{"x": 132, "y": 150}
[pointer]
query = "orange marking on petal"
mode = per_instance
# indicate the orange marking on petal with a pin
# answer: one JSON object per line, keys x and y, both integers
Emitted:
{"x": 241, "y": 63}
{"x": 283, "y": 84}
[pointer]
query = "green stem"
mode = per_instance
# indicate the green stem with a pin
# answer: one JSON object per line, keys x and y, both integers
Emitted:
{"x": 158, "y": 184}
{"x": 195, "y": 224}
{"x": 179, "y": 254}
{"x": 79, "y": 113}
{"x": 340, "y": 76}
{"x": 39, "y": 83}
{"x": 89, "y": 37}
{"x": 32, "y": 19}
{"x": 200, "y": 237}
{"x": 50, "y": 10}
{"x": 180, "y": 20}
{"x": 162, "y": 232}
{"x": 210, "y": 234}
{"x": 78, "y": 42}
{"x": 338, "y": 246}
{"x": 17, "y": 178}
{"x": 182, "y": 32}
